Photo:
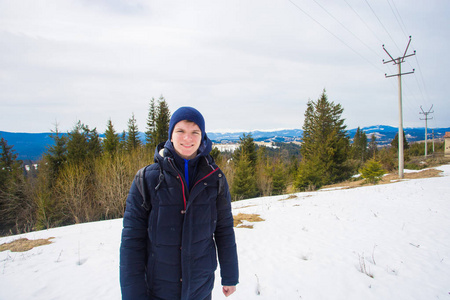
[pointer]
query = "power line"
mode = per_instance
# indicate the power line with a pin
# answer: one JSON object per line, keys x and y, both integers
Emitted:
{"x": 362, "y": 20}
{"x": 395, "y": 15}
{"x": 398, "y": 13}
{"x": 338, "y": 38}
{"x": 340, "y": 23}
{"x": 381, "y": 24}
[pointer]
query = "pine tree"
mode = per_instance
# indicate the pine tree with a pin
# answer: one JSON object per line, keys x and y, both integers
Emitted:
{"x": 56, "y": 155}
{"x": 94, "y": 145}
{"x": 278, "y": 177}
{"x": 77, "y": 145}
{"x": 215, "y": 153}
{"x": 83, "y": 144}
{"x": 111, "y": 140}
{"x": 264, "y": 172}
{"x": 325, "y": 145}
{"x": 244, "y": 180}
{"x": 373, "y": 146}
{"x": 247, "y": 147}
{"x": 132, "y": 142}
{"x": 162, "y": 122}
{"x": 150, "y": 134}
{"x": 394, "y": 142}
{"x": 123, "y": 141}
{"x": 9, "y": 165}
{"x": 12, "y": 198}
{"x": 372, "y": 171}
{"x": 359, "y": 146}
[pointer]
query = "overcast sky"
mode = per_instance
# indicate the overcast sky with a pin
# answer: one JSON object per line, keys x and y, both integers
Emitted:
{"x": 246, "y": 65}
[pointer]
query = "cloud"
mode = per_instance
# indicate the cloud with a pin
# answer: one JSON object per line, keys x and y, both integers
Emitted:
{"x": 245, "y": 65}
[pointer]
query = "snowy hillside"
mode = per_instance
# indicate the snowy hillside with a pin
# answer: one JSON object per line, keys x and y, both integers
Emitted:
{"x": 377, "y": 242}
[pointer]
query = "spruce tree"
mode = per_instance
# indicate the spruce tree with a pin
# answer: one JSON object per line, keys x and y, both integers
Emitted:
{"x": 244, "y": 180}
{"x": 325, "y": 145}
{"x": 162, "y": 122}
{"x": 12, "y": 198}
{"x": 278, "y": 177}
{"x": 132, "y": 140}
{"x": 150, "y": 134}
{"x": 372, "y": 171}
{"x": 373, "y": 146}
{"x": 111, "y": 140}
{"x": 9, "y": 165}
{"x": 77, "y": 145}
{"x": 56, "y": 155}
{"x": 247, "y": 147}
{"x": 394, "y": 142}
{"x": 123, "y": 141}
{"x": 94, "y": 143}
{"x": 359, "y": 146}
{"x": 83, "y": 144}
{"x": 215, "y": 153}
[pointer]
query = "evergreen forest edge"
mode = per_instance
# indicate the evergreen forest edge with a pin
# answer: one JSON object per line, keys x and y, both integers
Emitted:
{"x": 82, "y": 178}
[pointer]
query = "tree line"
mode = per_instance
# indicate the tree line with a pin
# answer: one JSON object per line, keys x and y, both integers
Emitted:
{"x": 83, "y": 178}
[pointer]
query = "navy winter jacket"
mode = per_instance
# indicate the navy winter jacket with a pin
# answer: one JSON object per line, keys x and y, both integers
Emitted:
{"x": 169, "y": 240}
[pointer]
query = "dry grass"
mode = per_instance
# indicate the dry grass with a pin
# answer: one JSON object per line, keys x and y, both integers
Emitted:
{"x": 22, "y": 245}
{"x": 289, "y": 198}
{"x": 428, "y": 173}
{"x": 240, "y": 218}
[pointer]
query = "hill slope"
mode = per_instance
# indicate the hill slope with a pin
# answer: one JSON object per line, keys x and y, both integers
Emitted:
{"x": 376, "y": 242}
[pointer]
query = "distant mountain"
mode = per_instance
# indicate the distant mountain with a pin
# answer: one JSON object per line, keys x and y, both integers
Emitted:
{"x": 31, "y": 146}
{"x": 28, "y": 146}
{"x": 385, "y": 134}
{"x": 283, "y": 135}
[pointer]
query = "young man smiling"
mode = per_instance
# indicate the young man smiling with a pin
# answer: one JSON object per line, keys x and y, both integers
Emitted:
{"x": 178, "y": 220}
{"x": 186, "y": 139}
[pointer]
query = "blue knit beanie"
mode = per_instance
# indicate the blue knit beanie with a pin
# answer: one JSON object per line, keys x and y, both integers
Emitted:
{"x": 189, "y": 114}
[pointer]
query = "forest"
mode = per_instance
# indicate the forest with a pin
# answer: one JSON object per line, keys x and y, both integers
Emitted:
{"x": 83, "y": 178}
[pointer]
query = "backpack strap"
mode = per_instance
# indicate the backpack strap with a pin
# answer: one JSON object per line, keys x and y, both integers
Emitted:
{"x": 142, "y": 187}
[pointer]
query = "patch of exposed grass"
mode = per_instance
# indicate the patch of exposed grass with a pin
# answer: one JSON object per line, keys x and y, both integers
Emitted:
{"x": 240, "y": 218}
{"x": 245, "y": 206}
{"x": 389, "y": 178}
{"x": 289, "y": 198}
{"x": 22, "y": 245}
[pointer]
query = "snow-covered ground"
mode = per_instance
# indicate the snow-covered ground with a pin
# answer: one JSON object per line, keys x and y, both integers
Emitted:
{"x": 376, "y": 242}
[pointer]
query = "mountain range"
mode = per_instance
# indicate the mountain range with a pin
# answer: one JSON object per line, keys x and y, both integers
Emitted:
{"x": 31, "y": 146}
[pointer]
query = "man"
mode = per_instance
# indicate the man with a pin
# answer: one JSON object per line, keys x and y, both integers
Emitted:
{"x": 178, "y": 213}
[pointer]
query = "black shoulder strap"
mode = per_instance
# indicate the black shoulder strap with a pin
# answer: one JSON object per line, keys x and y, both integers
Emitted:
{"x": 142, "y": 187}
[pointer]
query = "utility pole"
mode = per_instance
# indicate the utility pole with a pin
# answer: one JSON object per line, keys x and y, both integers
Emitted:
{"x": 432, "y": 133}
{"x": 433, "y": 139}
{"x": 398, "y": 61}
{"x": 426, "y": 126}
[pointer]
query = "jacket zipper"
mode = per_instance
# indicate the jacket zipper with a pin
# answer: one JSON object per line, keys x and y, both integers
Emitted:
{"x": 210, "y": 173}
{"x": 182, "y": 183}
{"x": 182, "y": 186}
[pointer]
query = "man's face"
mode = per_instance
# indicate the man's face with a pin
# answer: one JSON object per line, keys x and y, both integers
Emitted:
{"x": 186, "y": 139}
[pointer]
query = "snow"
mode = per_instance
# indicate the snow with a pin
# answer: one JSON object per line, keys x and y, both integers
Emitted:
{"x": 313, "y": 246}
